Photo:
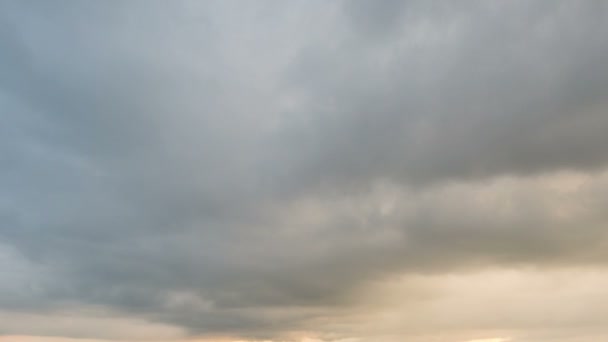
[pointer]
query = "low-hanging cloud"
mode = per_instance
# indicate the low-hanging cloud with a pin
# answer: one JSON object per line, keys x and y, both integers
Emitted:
{"x": 252, "y": 169}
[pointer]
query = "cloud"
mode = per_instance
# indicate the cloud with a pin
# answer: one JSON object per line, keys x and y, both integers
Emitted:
{"x": 87, "y": 325}
{"x": 253, "y": 170}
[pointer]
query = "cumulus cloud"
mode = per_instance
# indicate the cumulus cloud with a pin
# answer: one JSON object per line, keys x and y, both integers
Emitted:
{"x": 182, "y": 170}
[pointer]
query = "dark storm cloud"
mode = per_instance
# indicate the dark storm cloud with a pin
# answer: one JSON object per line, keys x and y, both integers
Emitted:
{"x": 229, "y": 153}
{"x": 477, "y": 91}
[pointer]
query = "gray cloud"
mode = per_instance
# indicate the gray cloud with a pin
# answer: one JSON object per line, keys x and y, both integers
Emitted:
{"x": 446, "y": 98}
{"x": 247, "y": 168}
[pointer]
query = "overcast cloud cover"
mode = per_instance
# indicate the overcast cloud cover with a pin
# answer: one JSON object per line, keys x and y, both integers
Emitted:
{"x": 304, "y": 171}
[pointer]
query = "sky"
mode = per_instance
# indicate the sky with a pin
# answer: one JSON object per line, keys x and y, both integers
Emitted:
{"x": 303, "y": 171}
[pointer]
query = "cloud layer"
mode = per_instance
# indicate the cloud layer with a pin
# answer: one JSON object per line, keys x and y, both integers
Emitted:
{"x": 260, "y": 170}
